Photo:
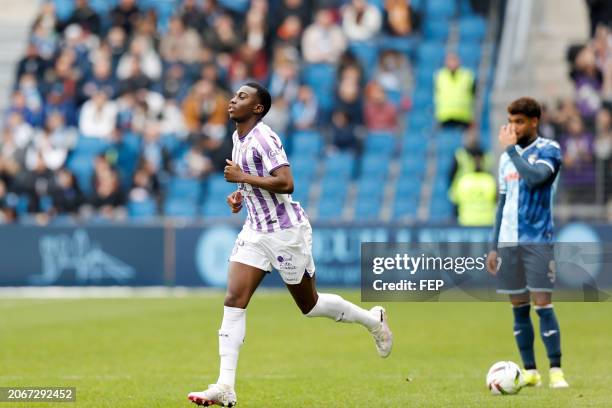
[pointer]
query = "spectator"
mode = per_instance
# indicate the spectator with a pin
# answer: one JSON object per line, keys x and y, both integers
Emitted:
{"x": 600, "y": 12}
{"x": 205, "y": 110}
{"x": 400, "y": 18}
{"x": 255, "y": 24}
{"x": 116, "y": 40}
{"x": 98, "y": 117}
{"x": 35, "y": 183}
{"x": 125, "y": 15}
{"x": 192, "y": 15}
{"x": 145, "y": 185}
{"x": 60, "y": 134}
{"x": 7, "y": 212}
{"x": 465, "y": 161}
{"x": 66, "y": 195}
{"x": 304, "y": 110}
{"x": 476, "y": 196}
{"x": 278, "y": 116}
{"x": 379, "y": 113}
{"x": 454, "y": 94}
{"x": 343, "y": 132}
{"x": 603, "y": 152}
{"x": 180, "y": 41}
{"x": 101, "y": 79}
{"x": 578, "y": 169}
{"x": 298, "y": 10}
{"x": 108, "y": 198}
{"x": 174, "y": 84}
{"x": 348, "y": 94}
{"x": 222, "y": 37}
{"x": 45, "y": 39}
{"x": 84, "y": 16}
{"x": 141, "y": 51}
{"x": 284, "y": 80}
{"x": 323, "y": 41}
{"x": 588, "y": 81}
{"x": 394, "y": 73}
{"x": 361, "y": 21}
{"x": 32, "y": 63}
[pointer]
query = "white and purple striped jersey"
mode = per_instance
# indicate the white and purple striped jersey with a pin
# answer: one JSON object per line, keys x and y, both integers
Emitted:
{"x": 260, "y": 152}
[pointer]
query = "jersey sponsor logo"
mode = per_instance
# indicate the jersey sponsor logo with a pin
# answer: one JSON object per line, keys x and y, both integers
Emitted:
{"x": 285, "y": 261}
{"x": 512, "y": 176}
{"x": 276, "y": 152}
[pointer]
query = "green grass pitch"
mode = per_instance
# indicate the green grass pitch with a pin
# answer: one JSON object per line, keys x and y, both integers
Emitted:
{"x": 150, "y": 352}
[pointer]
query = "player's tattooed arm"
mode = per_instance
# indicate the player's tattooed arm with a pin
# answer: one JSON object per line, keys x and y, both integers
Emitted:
{"x": 279, "y": 182}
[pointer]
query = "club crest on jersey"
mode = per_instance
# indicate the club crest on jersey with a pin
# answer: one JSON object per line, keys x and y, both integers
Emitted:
{"x": 284, "y": 261}
{"x": 532, "y": 158}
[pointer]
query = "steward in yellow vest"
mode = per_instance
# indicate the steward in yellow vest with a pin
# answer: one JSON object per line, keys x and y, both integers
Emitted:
{"x": 454, "y": 93}
{"x": 476, "y": 197}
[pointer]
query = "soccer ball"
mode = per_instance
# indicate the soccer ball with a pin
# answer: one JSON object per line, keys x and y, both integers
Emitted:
{"x": 504, "y": 378}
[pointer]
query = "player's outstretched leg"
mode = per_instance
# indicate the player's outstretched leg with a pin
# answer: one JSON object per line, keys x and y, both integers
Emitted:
{"x": 551, "y": 337}
{"x": 524, "y": 336}
{"x": 313, "y": 304}
{"x": 242, "y": 282}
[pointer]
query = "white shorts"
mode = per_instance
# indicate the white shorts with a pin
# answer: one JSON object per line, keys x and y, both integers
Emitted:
{"x": 289, "y": 251}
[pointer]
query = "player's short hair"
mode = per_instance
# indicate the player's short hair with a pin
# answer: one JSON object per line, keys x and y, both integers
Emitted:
{"x": 264, "y": 96}
{"x": 525, "y": 106}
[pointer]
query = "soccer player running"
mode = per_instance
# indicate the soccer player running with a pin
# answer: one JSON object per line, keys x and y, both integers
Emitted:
{"x": 528, "y": 173}
{"x": 276, "y": 234}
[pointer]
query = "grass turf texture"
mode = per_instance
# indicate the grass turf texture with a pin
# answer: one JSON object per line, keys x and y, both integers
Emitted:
{"x": 150, "y": 352}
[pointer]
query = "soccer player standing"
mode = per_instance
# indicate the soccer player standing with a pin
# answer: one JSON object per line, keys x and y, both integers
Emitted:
{"x": 528, "y": 173}
{"x": 276, "y": 234}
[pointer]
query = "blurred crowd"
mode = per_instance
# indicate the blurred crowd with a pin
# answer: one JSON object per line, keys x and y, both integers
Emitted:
{"x": 583, "y": 124}
{"x": 127, "y": 76}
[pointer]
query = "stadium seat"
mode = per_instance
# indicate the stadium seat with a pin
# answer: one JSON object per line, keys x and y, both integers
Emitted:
{"x": 431, "y": 53}
{"x": 321, "y": 78}
{"x": 436, "y": 29}
{"x": 142, "y": 209}
{"x": 236, "y": 6}
{"x": 179, "y": 207}
{"x": 419, "y": 122}
{"x": 472, "y": 29}
{"x": 307, "y": 143}
{"x": 219, "y": 188}
{"x": 90, "y": 145}
{"x": 215, "y": 207}
{"x": 404, "y": 45}
{"x": 333, "y": 186}
{"x": 366, "y": 53}
{"x": 82, "y": 167}
{"x": 405, "y": 206}
{"x": 367, "y": 209}
{"x": 440, "y": 210}
{"x": 187, "y": 188}
{"x": 412, "y": 165}
{"x": 380, "y": 143}
{"x": 63, "y": 9}
{"x": 302, "y": 167}
{"x": 330, "y": 208}
{"x": 438, "y": 9}
{"x": 301, "y": 193}
{"x": 469, "y": 54}
{"x": 374, "y": 166}
{"x": 370, "y": 188}
{"x": 341, "y": 165}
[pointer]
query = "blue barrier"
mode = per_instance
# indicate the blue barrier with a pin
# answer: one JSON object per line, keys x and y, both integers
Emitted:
{"x": 143, "y": 255}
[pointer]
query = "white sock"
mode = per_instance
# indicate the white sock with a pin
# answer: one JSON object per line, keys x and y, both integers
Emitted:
{"x": 231, "y": 337}
{"x": 334, "y": 307}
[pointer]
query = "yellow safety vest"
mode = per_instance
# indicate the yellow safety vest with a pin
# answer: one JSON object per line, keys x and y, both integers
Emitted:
{"x": 476, "y": 199}
{"x": 454, "y": 95}
{"x": 466, "y": 164}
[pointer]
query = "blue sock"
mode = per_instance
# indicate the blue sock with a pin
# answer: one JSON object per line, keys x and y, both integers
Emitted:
{"x": 551, "y": 334}
{"x": 523, "y": 333}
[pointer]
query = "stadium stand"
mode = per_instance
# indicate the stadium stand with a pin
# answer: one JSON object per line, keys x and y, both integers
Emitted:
{"x": 123, "y": 63}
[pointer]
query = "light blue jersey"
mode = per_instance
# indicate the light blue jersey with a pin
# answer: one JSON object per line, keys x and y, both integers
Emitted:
{"x": 527, "y": 214}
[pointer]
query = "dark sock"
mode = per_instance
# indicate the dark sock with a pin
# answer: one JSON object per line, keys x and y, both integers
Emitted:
{"x": 551, "y": 334}
{"x": 523, "y": 333}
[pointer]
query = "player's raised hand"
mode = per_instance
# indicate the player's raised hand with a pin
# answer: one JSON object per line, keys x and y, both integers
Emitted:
{"x": 492, "y": 262}
{"x": 232, "y": 172}
{"x": 234, "y": 200}
{"x": 507, "y": 135}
